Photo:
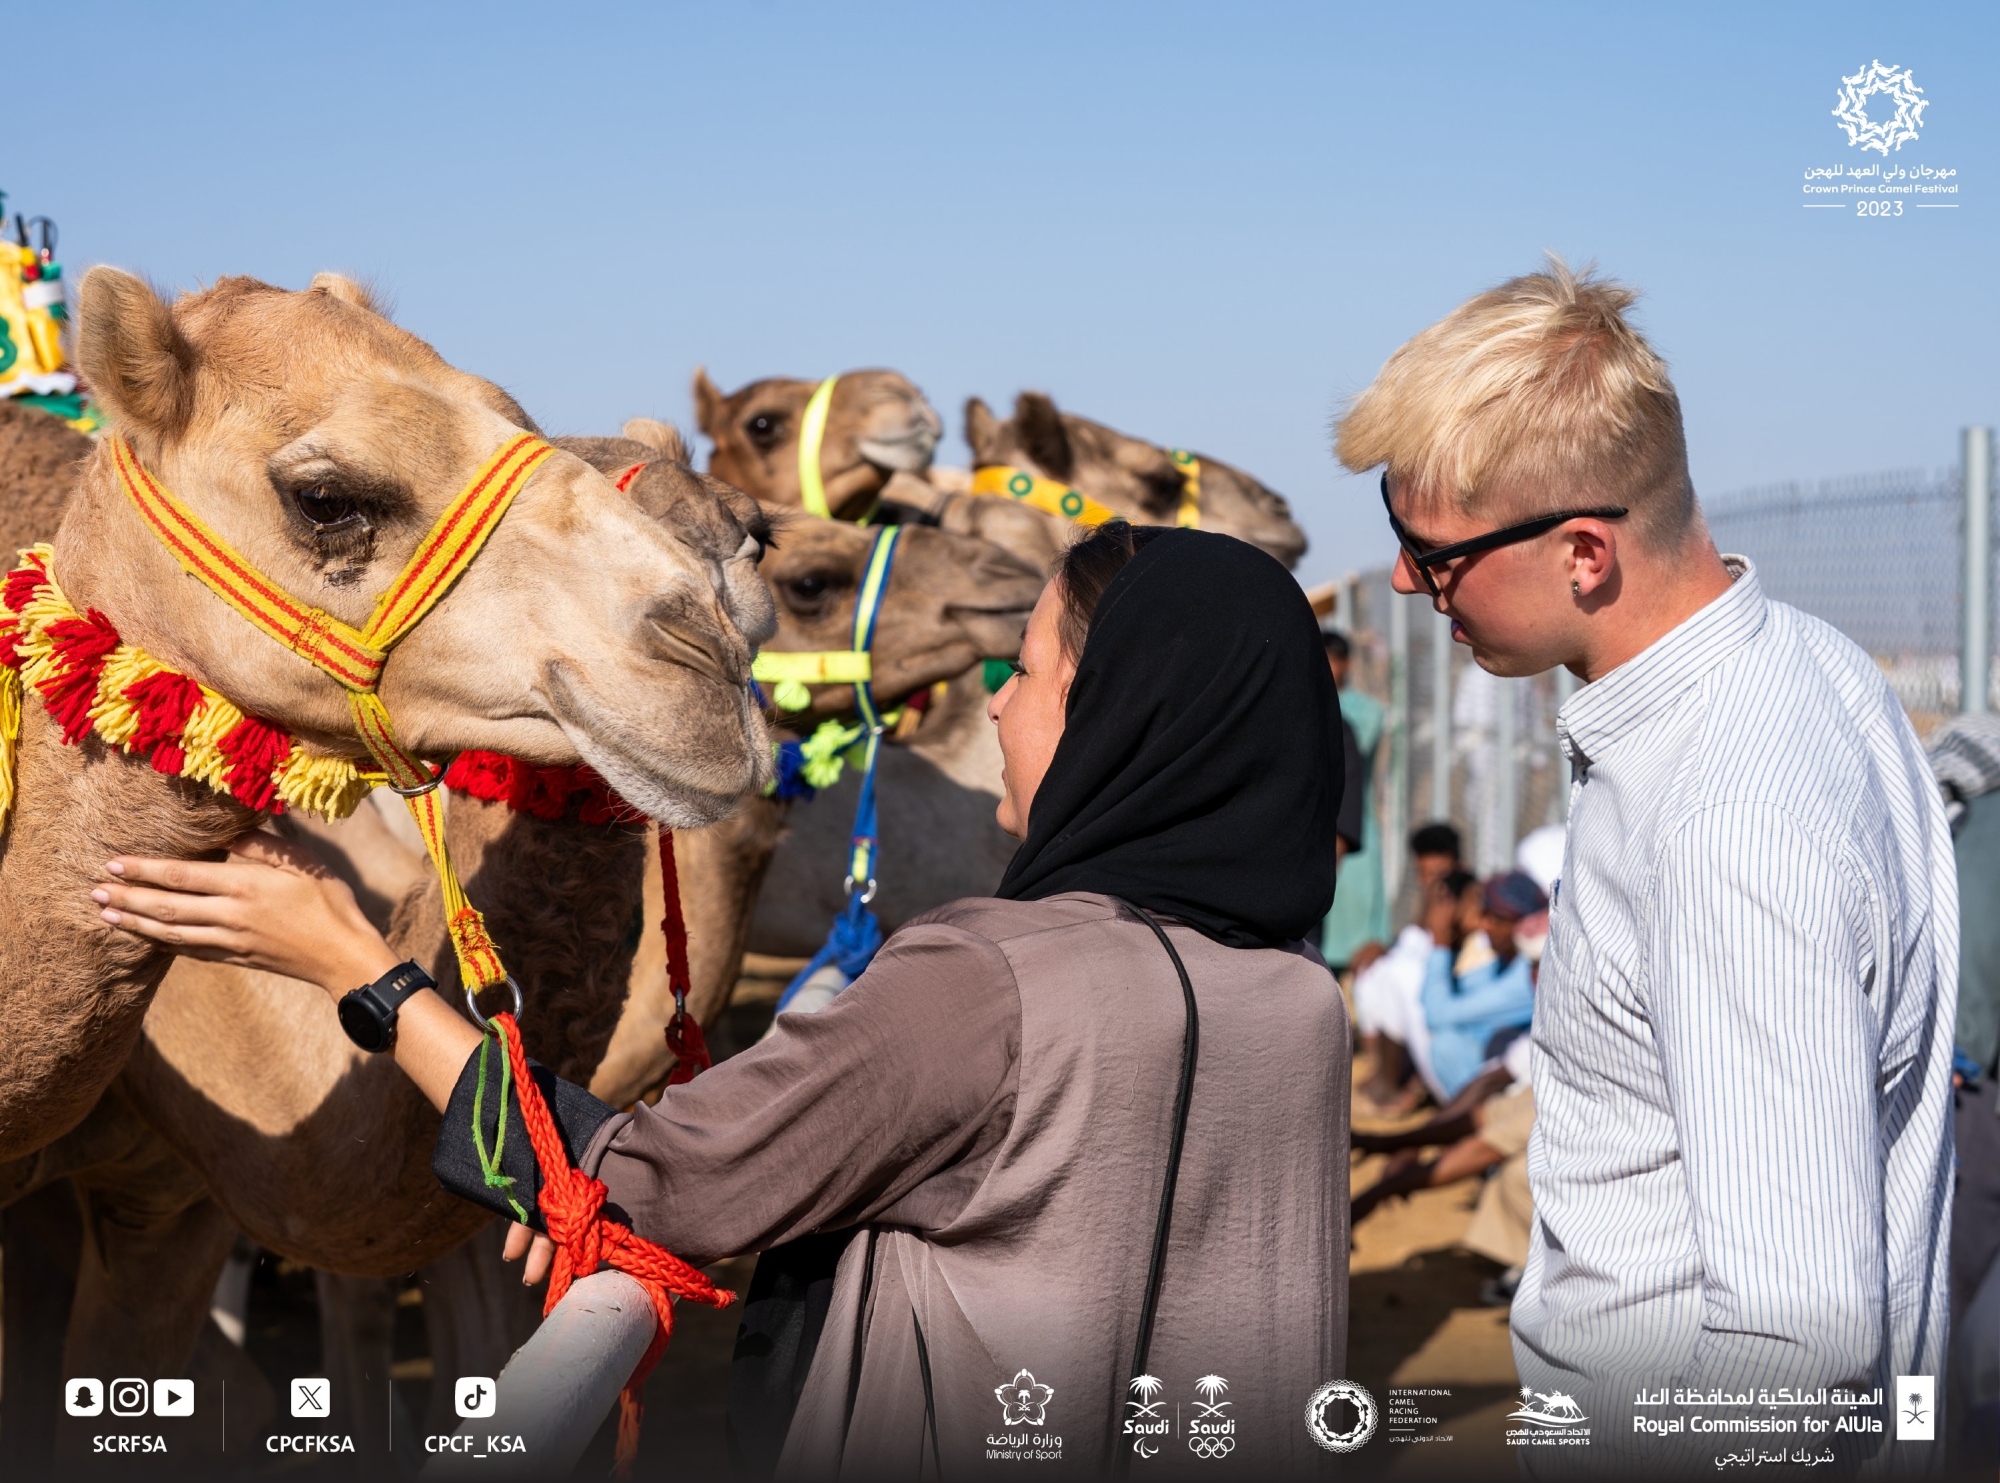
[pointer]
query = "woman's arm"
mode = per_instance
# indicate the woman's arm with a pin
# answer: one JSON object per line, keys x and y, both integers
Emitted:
{"x": 272, "y": 905}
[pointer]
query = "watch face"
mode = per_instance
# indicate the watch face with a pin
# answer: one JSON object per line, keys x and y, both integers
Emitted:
{"x": 362, "y": 1022}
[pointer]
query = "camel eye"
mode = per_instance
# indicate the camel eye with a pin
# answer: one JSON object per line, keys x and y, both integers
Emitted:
{"x": 325, "y": 508}
{"x": 807, "y": 588}
{"x": 765, "y": 430}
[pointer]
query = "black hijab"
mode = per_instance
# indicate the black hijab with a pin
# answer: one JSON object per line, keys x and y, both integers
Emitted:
{"x": 1200, "y": 768}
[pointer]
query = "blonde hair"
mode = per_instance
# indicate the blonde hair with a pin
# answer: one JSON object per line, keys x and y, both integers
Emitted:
{"x": 1533, "y": 397}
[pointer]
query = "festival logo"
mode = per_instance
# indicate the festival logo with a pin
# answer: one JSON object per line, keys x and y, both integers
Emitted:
{"x": 1885, "y": 130}
{"x": 1024, "y": 1401}
{"x": 1146, "y": 1425}
{"x": 1323, "y": 1418}
{"x": 1916, "y": 1408}
{"x": 1551, "y": 1409}
{"x": 1211, "y": 1434}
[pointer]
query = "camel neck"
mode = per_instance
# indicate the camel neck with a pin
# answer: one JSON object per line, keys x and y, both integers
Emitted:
{"x": 73, "y": 991}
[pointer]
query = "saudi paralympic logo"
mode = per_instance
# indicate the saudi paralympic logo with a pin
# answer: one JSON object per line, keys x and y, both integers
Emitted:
{"x": 1894, "y": 84}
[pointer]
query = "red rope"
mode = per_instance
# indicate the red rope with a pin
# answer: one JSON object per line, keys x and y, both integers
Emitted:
{"x": 572, "y": 1206}
{"x": 684, "y": 1037}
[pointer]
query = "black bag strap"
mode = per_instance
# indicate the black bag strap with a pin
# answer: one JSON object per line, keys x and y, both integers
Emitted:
{"x": 1155, "y": 1269}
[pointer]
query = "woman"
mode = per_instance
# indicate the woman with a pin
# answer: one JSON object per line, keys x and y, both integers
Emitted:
{"x": 972, "y": 1142}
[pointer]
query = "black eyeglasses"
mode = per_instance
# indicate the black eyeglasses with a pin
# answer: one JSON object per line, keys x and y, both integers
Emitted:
{"x": 1423, "y": 559}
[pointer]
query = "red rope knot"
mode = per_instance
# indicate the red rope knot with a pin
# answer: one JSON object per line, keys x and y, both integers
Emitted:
{"x": 572, "y": 1207}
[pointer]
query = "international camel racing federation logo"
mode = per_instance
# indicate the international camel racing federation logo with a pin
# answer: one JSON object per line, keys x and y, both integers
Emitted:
{"x": 1146, "y": 1425}
{"x": 1210, "y": 1433}
{"x": 1893, "y": 87}
{"x": 1325, "y": 1418}
{"x": 1024, "y": 1401}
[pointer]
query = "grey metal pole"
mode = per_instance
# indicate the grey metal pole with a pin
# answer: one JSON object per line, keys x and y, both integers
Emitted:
{"x": 1506, "y": 812}
{"x": 1396, "y": 807}
{"x": 1565, "y": 687}
{"x": 1440, "y": 716}
{"x": 1976, "y": 643}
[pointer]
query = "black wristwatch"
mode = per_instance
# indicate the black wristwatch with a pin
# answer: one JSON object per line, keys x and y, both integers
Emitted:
{"x": 368, "y": 1015}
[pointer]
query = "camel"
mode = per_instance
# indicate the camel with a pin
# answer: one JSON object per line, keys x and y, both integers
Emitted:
{"x": 322, "y": 442}
{"x": 41, "y": 455}
{"x": 937, "y": 790}
{"x": 877, "y": 424}
{"x": 1134, "y": 478}
{"x": 322, "y": 1153}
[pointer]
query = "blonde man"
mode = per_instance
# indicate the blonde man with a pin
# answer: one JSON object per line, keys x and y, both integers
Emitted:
{"x": 1742, "y": 1157}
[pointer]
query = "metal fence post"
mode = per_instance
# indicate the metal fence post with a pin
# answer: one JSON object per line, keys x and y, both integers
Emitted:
{"x": 1565, "y": 688}
{"x": 1506, "y": 811}
{"x": 1440, "y": 717}
{"x": 1976, "y": 642}
{"x": 1396, "y": 809}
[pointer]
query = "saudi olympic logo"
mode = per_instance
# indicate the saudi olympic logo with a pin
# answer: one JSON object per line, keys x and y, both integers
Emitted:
{"x": 1894, "y": 84}
{"x": 1323, "y": 1401}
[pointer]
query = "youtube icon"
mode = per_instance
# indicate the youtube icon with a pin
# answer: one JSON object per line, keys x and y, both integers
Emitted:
{"x": 173, "y": 1397}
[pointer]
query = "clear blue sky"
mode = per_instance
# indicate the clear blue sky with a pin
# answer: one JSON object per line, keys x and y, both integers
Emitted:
{"x": 1203, "y": 224}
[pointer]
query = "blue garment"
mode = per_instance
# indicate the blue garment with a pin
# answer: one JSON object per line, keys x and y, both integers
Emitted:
{"x": 1465, "y": 1011}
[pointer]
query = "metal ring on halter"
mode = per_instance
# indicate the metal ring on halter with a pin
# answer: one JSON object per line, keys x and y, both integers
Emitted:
{"x": 472, "y": 1004}
{"x": 420, "y": 790}
{"x": 867, "y": 895}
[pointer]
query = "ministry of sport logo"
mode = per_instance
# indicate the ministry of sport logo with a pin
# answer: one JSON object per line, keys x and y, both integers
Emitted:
{"x": 1024, "y": 1401}
{"x": 1883, "y": 131}
{"x": 1325, "y": 1416}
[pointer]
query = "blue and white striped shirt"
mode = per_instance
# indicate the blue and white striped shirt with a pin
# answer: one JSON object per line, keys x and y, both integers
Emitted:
{"x": 1742, "y": 1156}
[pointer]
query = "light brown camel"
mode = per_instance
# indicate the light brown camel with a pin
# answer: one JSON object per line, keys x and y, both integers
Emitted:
{"x": 321, "y": 1155}
{"x": 40, "y": 457}
{"x": 322, "y": 441}
{"x": 877, "y": 424}
{"x": 1134, "y": 478}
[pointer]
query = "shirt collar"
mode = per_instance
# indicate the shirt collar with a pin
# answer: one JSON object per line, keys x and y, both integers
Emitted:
{"x": 1646, "y": 684}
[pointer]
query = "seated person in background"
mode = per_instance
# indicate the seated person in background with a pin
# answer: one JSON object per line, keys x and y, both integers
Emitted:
{"x": 1469, "y": 1007}
{"x": 1389, "y": 982}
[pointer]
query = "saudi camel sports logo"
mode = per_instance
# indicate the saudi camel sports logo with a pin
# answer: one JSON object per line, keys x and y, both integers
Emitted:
{"x": 1550, "y": 1409}
{"x": 1893, "y": 84}
{"x": 1024, "y": 1400}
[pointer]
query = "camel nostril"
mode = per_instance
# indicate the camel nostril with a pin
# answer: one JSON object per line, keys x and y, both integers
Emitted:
{"x": 672, "y": 637}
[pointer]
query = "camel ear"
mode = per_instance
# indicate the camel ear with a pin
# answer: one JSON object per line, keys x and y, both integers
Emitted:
{"x": 708, "y": 400}
{"x": 662, "y": 437}
{"x": 133, "y": 355}
{"x": 1043, "y": 437}
{"x": 982, "y": 431}
{"x": 360, "y": 295}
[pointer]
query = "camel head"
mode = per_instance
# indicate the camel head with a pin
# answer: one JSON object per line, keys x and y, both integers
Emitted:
{"x": 877, "y": 424}
{"x": 1136, "y": 479}
{"x": 952, "y": 600}
{"x": 322, "y": 442}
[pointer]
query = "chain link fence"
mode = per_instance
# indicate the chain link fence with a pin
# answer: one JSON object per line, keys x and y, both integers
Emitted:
{"x": 1881, "y": 558}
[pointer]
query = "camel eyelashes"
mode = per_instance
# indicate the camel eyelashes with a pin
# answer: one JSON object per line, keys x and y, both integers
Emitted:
{"x": 766, "y": 430}
{"x": 327, "y": 509}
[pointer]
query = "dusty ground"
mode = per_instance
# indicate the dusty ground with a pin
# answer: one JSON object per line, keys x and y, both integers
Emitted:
{"x": 1416, "y": 1319}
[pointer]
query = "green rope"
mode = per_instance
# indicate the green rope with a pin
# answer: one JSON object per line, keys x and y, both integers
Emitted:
{"x": 490, "y": 1166}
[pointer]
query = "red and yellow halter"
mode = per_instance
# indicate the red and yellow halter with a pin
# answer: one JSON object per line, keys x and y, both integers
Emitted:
{"x": 92, "y": 681}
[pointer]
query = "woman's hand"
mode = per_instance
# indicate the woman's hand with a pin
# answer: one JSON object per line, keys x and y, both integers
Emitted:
{"x": 540, "y": 1249}
{"x": 271, "y": 905}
